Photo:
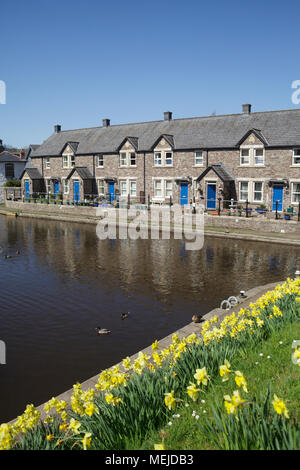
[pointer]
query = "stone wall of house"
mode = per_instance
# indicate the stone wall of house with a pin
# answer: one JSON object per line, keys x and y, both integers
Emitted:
{"x": 277, "y": 165}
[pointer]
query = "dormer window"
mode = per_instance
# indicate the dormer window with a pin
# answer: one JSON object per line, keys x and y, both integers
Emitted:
{"x": 259, "y": 156}
{"x": 123, "y": 159}
{"x": 157, "y": 159}
{"x": 245, "y": 157}
{"x": 132, "y": 159}
{"x": 68, "y": 161}
{"x": 169, "y": 158}
{"x": 296, "y": 157}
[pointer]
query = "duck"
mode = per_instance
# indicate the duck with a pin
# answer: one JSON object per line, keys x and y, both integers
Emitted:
{"x": 18, "y": 252}
{"x": 197, "y": 318}
{"x": 102, "y": 331}
{"x": 124, "y": 315}
{"x": 7, "y": 256}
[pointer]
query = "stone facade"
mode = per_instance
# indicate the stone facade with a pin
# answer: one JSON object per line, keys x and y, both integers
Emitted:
{"x": 260, "y": 173}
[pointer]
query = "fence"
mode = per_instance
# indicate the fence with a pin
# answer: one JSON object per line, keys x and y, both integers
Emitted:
{"x": 232, "y": 207}
{"x": 214, "y": 206}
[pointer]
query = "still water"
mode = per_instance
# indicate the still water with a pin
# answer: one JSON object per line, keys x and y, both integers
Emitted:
{"x": 65, "y": 282}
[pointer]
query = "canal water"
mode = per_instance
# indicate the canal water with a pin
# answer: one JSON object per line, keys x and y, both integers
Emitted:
{"x": 65, "y": 282}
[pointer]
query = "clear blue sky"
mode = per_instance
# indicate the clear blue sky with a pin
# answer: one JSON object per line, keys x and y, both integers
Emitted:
{"x": 74, "y": 63}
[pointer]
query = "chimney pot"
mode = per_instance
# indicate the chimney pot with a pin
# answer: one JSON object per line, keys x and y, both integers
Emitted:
{"x": 247, "y": 108}
{"x": 57, "y": 128}
{"x": 106, "y": 122}
{"x": 167, "y": 116}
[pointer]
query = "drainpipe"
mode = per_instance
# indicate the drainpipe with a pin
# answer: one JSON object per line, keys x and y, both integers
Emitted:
{"x": 144, "y": 178}
{"x": 206, "y": 158}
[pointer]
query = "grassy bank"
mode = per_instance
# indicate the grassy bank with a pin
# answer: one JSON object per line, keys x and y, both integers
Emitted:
{"x": 268, "y": 370}
{"x": 132, "y": 408}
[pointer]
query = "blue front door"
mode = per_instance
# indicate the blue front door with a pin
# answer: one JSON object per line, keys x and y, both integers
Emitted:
{"x": 56, "y": 188}
{"x": 277, "y": 196}
{"x": 184, "y": 194}
{"x": 111, "y": 189}
{"x": 211, "y": 196}
{"x": 76, "y": 191}
{"x": 27, "y": 188}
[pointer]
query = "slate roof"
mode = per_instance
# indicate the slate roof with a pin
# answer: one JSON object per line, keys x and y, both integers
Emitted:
{"x": 33, "y": 174}
{"x": 7, "y": 157}
{"x": 82, "y": 171}
{"x": 279, "y": 128}
{"x": 220, "y": 170}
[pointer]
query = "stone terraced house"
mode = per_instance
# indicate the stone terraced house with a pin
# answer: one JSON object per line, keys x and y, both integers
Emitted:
{"x": 252, "y": 156}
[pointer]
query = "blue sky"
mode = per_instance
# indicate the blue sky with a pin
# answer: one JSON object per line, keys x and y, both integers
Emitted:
{"x": 75, "y": 63}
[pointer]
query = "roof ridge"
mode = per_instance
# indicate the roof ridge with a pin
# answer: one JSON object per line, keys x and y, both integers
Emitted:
{"x": 182, "y": 118}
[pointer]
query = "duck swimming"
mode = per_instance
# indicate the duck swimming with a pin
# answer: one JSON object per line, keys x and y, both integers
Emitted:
{"x": 102, "y": 331}
{"x": 124, "y": 315}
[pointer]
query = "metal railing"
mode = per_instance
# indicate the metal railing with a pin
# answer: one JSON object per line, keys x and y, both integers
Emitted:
{"x": 232, "y": 207}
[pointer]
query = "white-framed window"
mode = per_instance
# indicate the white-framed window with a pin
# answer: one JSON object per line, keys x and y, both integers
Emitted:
{"x": 68, "y": 161}
{"x": 132, "y": 159}
{"x": 259, "y": 157}
{"x": 100, "y": 184}
{"x": 123, "y": 159}
{"x": 295, "y": 193}
{"x": 168, "y": 188}
{"x": 198, "y": 158}
{"x": 244, "y": 190}
{"x": 168, "y": 158}
{"x": 296, "y": 157}
{"x": 48, "y": 163}
{"x": 100, "y": 161}
{"x": 157, "y": 159}
{"x": 132, "y": 187}
{"x": 65, "y": 161}
{"x": 123, "y": 187}
{"x": 158, "y": 188}
{"x": 245, "y": 157}
{"x": 257, "y": 191}
{"x": 66, "y": 186}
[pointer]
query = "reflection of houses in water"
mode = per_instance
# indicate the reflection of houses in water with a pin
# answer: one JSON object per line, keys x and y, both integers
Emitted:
{"x": 147, "y": 266}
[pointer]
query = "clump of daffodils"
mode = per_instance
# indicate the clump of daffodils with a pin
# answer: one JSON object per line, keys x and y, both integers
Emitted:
{"x": 247, "y": 320}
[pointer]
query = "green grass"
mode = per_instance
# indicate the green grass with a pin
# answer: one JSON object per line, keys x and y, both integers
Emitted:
{"x": 276, "y": 373}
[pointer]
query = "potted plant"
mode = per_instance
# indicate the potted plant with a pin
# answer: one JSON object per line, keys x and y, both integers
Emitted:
{"x": 261, "y": 209}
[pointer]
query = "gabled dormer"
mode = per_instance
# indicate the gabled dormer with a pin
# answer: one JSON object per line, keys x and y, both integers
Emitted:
{"x": 253, "y": 137}
{"x": 127, "y": 151}
{"x": 163, "y": 141}
{"x": 252, "y": 148}
{"x": 163, "y": 150}
{"x": 68, "y": 154}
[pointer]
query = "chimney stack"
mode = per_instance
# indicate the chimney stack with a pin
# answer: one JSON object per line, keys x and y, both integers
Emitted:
{"x": 22, "y": 154}
{"x": 167, "y": 116}
{"x": 57, "y": 128}
{"x": 106, "y": 122}
{"x": 246, "y": 108}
